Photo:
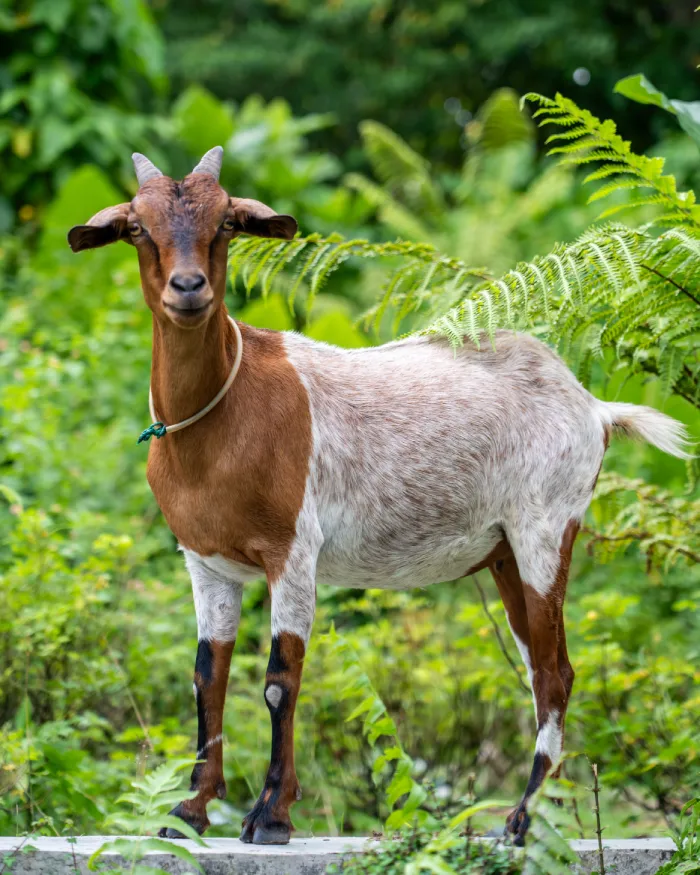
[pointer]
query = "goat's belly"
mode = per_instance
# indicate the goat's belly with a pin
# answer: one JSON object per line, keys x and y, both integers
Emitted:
{"x": 379, "y": 566}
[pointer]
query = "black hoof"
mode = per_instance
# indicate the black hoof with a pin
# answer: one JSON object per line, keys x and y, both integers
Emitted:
{"x": 261, "y": 828}
{"x": 168, "y": 832}
{"x": 197, "y": 823}
{"x": 257, "y": 833}
{"x": 277, "y": 834}
{"x": 518, "y": 824}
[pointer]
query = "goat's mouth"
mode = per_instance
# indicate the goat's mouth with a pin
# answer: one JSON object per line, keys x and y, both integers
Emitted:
{"x": 188, "y": 316}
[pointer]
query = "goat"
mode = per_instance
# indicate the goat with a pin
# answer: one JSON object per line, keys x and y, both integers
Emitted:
{"x": 392, "y": 467}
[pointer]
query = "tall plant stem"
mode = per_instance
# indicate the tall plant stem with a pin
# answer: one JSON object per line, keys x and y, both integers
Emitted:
{"x": 598, "y": 828}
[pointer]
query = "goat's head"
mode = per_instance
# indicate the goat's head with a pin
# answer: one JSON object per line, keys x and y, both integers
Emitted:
{"x": 181, "y": 232}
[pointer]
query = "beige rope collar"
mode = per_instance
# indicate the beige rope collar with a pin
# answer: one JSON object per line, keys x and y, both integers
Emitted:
{"x": 159, "y": 428}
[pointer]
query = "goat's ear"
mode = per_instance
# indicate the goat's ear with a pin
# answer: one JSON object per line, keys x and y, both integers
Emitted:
{"x": 105, "y": 227}
{"x": 253, "y": 217}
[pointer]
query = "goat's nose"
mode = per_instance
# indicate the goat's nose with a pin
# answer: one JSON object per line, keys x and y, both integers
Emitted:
{"x": 187, "y": 282}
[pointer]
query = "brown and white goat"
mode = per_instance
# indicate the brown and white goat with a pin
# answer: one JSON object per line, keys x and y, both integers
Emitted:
{"x": 395, "y": 467}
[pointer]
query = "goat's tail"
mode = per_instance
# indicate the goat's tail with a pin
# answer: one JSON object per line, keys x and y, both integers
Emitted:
{"x": 658, "y": 429}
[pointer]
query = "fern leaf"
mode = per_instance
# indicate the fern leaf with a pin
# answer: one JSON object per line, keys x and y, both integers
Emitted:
{"x": 490, "y": 315}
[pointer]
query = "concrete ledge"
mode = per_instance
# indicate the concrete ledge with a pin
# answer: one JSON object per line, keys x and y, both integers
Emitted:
{"x": 623, "y": 856}
{"x": 55, "y": 856}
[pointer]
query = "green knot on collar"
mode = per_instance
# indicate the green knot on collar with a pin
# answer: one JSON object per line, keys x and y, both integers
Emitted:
{"x": 157, "y": 429}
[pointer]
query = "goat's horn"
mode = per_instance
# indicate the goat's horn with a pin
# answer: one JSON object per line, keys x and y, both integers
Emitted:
{"x": 144, "y": 168}
{"x": 211, "y": 163}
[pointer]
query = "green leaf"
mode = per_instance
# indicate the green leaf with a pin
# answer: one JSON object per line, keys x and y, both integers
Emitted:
{"x": 337, "y": 328}
{"x": 469, "y": 812}
{"x": 689, "y": 117}
{"x": 10, "y": 495}
{"x": 641, "y": 90}
{"x": 271, "y": 312}
{"x": 638, "y": 88}
{"x": 202, "y": 121}
{"x": 365, "y": 705}
{"x": 136, "y": 849}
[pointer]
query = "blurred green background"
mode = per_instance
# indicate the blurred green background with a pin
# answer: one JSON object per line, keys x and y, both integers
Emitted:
{"x": 372, "y": 118}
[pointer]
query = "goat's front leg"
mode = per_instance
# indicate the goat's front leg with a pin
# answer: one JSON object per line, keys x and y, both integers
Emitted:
{"x": 293, "y": 605}
{"x": 218, "y": 606}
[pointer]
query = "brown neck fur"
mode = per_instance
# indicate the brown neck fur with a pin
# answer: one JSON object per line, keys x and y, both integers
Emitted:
{"x": 190, "y": 366}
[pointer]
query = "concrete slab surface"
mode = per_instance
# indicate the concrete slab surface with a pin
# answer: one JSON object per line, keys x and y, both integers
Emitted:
{"x": 58, "y": 856}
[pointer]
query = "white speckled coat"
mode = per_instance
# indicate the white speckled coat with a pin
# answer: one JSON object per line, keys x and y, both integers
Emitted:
{"x": 423, "y": 457}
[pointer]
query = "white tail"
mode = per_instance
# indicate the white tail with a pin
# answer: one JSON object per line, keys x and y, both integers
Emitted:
{"x": 658, "y": 429}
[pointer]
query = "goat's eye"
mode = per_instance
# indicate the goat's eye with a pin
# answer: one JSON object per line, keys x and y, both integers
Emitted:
{"x": 134, "y": 229}
{"x": 228, "y": 224}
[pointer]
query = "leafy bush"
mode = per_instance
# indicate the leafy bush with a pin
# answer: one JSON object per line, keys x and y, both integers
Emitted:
{"x": 686, "y": 859}
{"x": 151, "y": 797}
{"x": 425, "y": 71}
{"x": 74, "y": 77}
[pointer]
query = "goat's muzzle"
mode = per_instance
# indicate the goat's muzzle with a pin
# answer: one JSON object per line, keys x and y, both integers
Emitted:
{"x": 188, "y": 298}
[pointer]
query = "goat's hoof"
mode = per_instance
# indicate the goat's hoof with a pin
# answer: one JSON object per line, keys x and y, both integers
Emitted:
{"x": 260, "y": 829}
{"x": 167, "y": 832}
{"x": 517, "y": 825}
{"x": 276, "y": 834}
{"x": 198, "y": 822}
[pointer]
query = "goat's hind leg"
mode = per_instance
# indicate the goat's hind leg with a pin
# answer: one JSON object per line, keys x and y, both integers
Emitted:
{"x": 535, "y": 613}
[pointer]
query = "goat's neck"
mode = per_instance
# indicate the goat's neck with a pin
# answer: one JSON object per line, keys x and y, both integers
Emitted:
{"x": 190, "y": 366}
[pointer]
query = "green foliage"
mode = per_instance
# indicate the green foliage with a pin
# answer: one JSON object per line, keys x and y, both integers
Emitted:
{"x": 686, "y": 859}
{"x": 152, "y": 797}
{"x": 376, "y": 724}
{"x": 450, "y": 847}
{"x": 501, "y": 206}
{"x": 420, "y": 850}
{"x": 72, "y": 76}
{"x": 641, "y": 90}
{"x": 587, "y": 140}
{"x": 666, "y": 527}
{"x": 399, "y": 63}
{"x": 260, "y": 262}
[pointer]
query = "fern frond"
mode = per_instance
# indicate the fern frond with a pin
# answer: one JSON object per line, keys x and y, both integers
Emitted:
{"x": 603, "y": 292}
{"x": 613, "y": 290}
{"x": 255, "y": 267}
{"x": 403, "y": 171}
{"x": 377, "y": 723}
{"x": 418, "y": 273}
{"x": 588, "y": 140}
{"x": 609, "y": 170}
{"x": 312, "y": 257}
{"x": 665, "y": 527}
{"x": 391, "y": 212}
